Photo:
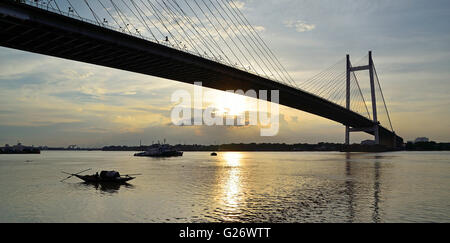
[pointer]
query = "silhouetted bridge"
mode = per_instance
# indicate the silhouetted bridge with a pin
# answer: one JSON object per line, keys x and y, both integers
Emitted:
{"x": 66, "y": 35}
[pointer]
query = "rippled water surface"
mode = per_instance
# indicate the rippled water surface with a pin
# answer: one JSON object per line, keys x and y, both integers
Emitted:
{"x": 233, "y": 187}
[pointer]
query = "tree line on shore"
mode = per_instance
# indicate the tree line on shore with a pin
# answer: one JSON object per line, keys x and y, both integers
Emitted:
{"x": 420, "y": 146}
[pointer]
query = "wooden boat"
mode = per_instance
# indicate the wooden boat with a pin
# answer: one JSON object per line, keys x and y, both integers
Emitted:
{"x": 98, "y": 179}
{"x": 103, "y": 177}
{"x": 214, "y": 154}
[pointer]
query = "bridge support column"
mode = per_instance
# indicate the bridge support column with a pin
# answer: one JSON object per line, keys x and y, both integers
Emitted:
{"x": 374, "y": 99}
{"x": 348, "y": 95}
{"x": 347, "y": 135}
{"x": 377, "y": 134}
{"x": 376, "y": 128}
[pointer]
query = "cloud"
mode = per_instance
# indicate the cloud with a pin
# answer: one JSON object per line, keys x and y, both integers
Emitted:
{"x": 238, "y": 5}
{"x": 299, "y": 25}
{"x": 260, "y": 28}
{"x": 45, "y": 100}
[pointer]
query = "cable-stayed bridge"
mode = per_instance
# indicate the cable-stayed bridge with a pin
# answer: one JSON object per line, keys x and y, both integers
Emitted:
{"x": 208, "y": 41}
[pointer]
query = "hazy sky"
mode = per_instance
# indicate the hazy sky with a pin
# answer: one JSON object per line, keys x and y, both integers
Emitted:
{"x": 50, "y": 101}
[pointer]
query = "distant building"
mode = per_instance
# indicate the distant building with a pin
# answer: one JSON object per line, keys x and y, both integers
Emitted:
{"x": 422, "y": 140}
{"x": 368, "y": 142}
{"x": 19, "y": 147}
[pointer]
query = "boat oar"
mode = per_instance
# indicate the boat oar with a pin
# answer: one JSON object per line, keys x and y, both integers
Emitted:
{"x": 133, "y": 175}
{"x": 72, "y": 175}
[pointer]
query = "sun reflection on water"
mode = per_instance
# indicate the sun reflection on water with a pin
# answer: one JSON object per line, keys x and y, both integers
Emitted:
{"x": 231, "y": 195}
{"x": 232, "y": 159}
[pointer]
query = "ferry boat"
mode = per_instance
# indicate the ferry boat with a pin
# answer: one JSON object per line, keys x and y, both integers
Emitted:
{"x": 160, "y": 151}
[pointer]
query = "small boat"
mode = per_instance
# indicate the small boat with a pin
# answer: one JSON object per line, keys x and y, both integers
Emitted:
{"x": 98, "y": 179}
{"x": 160, "y": 151}
{"x": 103, "y": 177}
{"x": 214, "y": 154}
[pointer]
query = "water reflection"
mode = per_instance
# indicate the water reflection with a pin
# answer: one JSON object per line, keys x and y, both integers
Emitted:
{"x": 232, "y": 159}
{"x": 349, "y": 186}
{"x": 233, "y": 187}
{"x": 353, "y": 189}
{"x": 109, "y": 188}
{"x": 377, "y": 191}
{"x": 231, "y": 196}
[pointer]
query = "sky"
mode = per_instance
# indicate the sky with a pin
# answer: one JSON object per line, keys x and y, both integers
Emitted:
{"x": 55, "y": 102}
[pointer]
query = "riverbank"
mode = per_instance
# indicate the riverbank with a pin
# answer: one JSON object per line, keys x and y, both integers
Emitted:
{"x": 274, "y": 147}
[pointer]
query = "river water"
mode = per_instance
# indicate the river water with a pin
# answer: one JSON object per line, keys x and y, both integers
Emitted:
{"x": 233, "y": 187}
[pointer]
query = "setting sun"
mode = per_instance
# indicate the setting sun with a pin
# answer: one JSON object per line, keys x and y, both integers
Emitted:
{"x": 230, "y": 104}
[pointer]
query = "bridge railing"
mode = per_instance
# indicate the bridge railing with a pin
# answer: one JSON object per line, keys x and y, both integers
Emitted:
{"x": 49, "y": 8}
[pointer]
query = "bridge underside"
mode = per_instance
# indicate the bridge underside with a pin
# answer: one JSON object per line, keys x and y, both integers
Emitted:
{"x": 389, "y": 139}
{"x": 35, "y": 30}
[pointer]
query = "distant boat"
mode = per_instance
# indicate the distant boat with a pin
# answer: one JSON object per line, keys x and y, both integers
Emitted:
{"x": 103, "y": 177}
{"x": 160, "y": 151}
{"x": 214, "y": 154}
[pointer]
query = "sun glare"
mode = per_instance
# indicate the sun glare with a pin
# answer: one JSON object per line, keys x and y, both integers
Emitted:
{"x": 233, "y": 159}
{"x": 230, "y": 104}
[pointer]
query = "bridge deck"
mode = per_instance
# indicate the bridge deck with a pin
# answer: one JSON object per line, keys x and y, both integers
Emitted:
{"x": 35, "y": 30}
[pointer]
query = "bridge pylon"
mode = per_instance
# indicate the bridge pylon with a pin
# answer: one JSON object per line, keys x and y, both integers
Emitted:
{"x": 375, "y": 129}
